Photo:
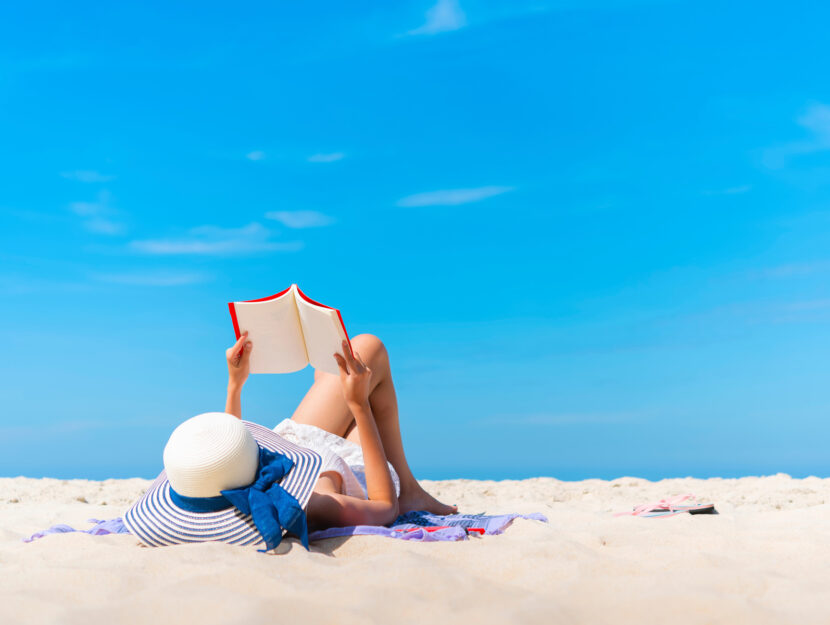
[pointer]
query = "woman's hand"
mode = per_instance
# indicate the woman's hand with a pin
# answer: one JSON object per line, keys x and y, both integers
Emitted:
{"x": 239, "y": 362}
{"x": 355, "y": 377}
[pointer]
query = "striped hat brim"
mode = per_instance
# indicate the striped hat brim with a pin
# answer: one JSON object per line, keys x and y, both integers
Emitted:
{"x": 156, "y": 521}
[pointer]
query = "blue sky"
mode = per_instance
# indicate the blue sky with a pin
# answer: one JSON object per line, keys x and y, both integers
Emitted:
{"x": 594, "y": 235}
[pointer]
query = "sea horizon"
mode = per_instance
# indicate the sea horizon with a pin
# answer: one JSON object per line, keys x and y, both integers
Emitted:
{"x": 564, "y": 475}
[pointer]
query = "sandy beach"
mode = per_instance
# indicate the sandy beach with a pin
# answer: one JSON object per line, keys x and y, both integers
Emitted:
{"x": 762, "y": 559}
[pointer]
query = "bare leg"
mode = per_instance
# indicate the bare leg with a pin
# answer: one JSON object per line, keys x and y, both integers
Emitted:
{"x": 324, "y": 407}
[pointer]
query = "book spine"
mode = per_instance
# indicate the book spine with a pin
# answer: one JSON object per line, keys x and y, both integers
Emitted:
{"x": 343, "y": 325}
{"x": 232, "y": 308}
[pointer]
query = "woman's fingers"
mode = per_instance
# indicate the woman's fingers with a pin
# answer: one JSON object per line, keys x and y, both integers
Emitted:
{"x": 236, "y": 350}
{"x": 341, "y": 364}
{"x": 239, "y": 349}
{"x": 347, "y": 354}
{"x": 360, "y": 360}
{"x": 351, "y": 363}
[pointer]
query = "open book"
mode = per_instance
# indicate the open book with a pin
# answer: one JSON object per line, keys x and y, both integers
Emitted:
{"x": 289, "y": 331}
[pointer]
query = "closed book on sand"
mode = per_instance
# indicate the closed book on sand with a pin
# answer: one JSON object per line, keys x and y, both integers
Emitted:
{"x": 289, "y": 331}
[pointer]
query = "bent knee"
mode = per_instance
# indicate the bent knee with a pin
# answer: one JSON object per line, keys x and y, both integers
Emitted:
{"x": 370, "y": 347}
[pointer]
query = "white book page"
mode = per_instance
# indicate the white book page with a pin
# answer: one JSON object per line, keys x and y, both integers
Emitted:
{"x": 274, "y": 328}
{"x": 323, "y": 335}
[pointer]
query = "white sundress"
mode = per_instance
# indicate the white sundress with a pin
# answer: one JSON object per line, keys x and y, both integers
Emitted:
{"x": 338, "y": 454}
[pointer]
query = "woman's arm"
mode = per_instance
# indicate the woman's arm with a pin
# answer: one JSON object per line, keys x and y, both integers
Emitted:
{"x": 355, "y": 377}
{"x": 239, "y": 365}
{"x": 327, "y": 506}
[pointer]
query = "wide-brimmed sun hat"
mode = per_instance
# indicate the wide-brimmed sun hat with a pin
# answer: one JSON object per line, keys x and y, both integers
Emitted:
{"x": 226, "y": 480}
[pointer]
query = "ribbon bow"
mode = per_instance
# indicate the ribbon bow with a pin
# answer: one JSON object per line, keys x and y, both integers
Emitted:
{"x": 272, "y": 508}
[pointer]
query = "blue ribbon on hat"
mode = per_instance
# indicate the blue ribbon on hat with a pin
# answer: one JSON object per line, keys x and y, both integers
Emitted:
{"x": 272, "y": 508}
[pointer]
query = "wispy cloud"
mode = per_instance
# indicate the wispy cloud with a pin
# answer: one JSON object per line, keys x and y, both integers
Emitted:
{"x": 816, "y": 120}
{"x": 730, "y": 190}
{"x": 86, "y": 175}
{"x": 452, "y": 197}
{"x": 326, "y": 158}
{"x": 160, "y": 278}
{"x": 24, "y": 284}
{"x": 300, "y": 219}
{"x": 98, "y": 216}
{"x": 256, "y": 155}
{"x": 105, "y": 226}
{"x": 444, "y": 16}
{"x": 808, "y": 305}
{"x": 794, "y": 270}
{"x": 215, "y": 241}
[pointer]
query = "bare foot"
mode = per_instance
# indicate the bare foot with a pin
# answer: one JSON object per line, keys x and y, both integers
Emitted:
{"x": 419, "y": 499}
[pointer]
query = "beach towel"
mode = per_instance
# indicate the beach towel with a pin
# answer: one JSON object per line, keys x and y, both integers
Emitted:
{"x": 110, "y": 526}
{"x": 423, "y": 526}
{"x": 419, "y": 526}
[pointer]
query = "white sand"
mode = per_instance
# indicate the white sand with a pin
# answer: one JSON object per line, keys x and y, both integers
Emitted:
{"x": 764, "y": 559}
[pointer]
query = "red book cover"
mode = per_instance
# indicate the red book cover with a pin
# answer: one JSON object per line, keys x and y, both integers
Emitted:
{"x": 299, "y": 292}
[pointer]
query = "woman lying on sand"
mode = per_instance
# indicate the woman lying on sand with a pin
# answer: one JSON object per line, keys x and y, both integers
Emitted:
{"x": 338, "y": 461}
{"x": 360, "y": 406}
